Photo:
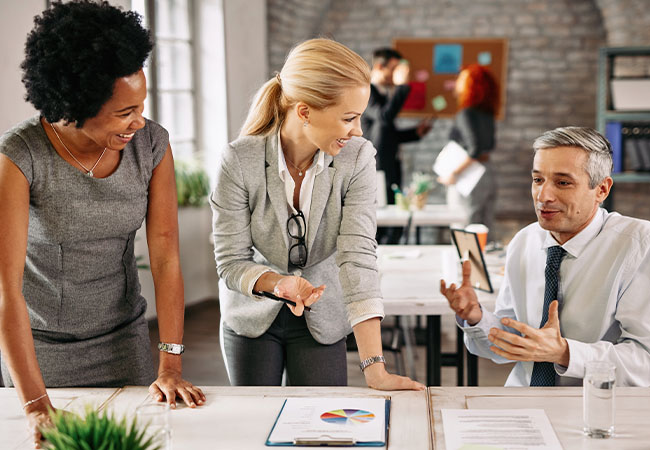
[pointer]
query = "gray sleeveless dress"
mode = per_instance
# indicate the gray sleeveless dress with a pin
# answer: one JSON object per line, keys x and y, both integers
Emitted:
{"x": 81, "y": 281}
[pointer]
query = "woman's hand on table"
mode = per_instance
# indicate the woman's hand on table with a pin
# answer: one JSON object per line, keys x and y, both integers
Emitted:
{"x": 300, "y": 291}
{"x": 378, "y": 378}
{"x": 170, "y": 384}
{"x": 37, "y": 419}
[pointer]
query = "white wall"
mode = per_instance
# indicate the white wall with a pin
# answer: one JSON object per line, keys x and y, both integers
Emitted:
{"x": 246, "y": 57}
{"x": 16, "y": 20}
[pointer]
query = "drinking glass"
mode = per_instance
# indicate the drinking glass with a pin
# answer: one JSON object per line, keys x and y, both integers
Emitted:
{"x": 598, "y": 399}
{"x": 155, "y": 416}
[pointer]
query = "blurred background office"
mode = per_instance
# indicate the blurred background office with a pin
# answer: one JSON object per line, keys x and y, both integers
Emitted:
{"x": 212, "y": 54}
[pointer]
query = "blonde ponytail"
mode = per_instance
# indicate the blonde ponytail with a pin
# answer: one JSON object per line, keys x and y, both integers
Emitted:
{"x": 316, "y": 72}
{"x": 266, "y": 112}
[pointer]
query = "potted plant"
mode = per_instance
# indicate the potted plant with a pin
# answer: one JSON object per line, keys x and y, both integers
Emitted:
{"x": 192, "y": 184}
{"x": 95, "y": 431}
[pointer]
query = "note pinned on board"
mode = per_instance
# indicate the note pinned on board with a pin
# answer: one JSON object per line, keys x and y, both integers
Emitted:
{"x": 485, "y": 58}
{"x": 439, "y": 103}
{"x": 450, "y": 158}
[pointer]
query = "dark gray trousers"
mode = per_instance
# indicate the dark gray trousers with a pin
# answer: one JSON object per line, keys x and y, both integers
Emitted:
{"x": 286, "y": 344}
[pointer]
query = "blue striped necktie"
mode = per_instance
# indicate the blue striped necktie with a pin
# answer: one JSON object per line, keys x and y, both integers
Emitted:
{"x": 544, "y": 372}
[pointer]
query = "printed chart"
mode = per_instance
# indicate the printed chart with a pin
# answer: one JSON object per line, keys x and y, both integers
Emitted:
{"x": 347, "y": 416}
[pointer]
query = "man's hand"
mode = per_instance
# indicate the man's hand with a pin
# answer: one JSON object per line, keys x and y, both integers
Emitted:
{"x": 463, "y": 300}
{"x": 541, "y": 345}
{"x": 401, "y": 74}
{"x": 424, "y": 127}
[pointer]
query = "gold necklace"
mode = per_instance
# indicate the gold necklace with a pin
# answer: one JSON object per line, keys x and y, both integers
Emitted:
{"x": 296, "y": 167}
{"x": 89, "y": 172}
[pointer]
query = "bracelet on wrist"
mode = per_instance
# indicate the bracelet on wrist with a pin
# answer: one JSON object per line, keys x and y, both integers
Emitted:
{"x": 31, "y": 402}
{"x": 370, "y": 361}
{"x": 174, "y": 349}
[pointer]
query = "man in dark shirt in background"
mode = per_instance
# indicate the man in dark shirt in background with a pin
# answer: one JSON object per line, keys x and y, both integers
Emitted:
{"x": 388, "y": 91}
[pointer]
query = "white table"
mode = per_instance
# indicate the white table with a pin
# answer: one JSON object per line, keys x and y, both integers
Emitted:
{"x": 563, "y": 406}
{"x": 232, "y": 418}
{"x": 410, "y": 284}
{"x": 430, "y": 216}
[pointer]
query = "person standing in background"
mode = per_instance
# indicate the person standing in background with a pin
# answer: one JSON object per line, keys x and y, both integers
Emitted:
{"x": 478, "y": 103}
{"x": 388, "y": 91}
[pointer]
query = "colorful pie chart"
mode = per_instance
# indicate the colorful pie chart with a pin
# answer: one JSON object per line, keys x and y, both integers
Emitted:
{"x": 345, "y": 416}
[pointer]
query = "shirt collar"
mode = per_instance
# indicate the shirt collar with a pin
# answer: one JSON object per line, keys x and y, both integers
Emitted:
{"x": 577, "y": 243}
{"x": 282, "y": 163}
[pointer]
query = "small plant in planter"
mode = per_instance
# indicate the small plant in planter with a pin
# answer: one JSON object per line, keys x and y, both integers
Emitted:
{"x": 192, "y": 183}
{"x": 95, "y": 431}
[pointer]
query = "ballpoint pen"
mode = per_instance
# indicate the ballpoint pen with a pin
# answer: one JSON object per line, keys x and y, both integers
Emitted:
{"x": 279, "y": 299}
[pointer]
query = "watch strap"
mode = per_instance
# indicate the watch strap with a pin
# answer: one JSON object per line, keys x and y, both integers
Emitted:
{"x": 174, "y": 349}
{"x": 370, "y": 361}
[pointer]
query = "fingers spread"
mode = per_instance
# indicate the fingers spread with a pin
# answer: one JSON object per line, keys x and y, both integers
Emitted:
{"x": 155, "y": 392}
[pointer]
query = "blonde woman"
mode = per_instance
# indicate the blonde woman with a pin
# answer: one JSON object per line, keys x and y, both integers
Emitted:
{"x": 294, "y": 215}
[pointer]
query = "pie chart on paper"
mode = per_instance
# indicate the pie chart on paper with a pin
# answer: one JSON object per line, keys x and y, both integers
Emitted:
{"x": 347, "y": 416}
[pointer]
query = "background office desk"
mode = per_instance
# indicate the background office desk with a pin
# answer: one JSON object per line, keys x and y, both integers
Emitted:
{"x": 411, "y": 286}
{"x": 563, "y": 406}
{"x": 441, "y": 216}
{"x": 232, "y": 418}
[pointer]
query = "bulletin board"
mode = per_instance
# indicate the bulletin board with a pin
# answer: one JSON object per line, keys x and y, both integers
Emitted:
{"x": 435, "y": 64}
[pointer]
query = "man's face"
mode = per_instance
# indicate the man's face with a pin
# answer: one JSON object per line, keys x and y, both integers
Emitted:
{"x": 563, "y": 201}
{"x": 386, "y": 71}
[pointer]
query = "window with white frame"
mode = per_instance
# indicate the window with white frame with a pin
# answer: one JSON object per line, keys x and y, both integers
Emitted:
{"x": 170, "y": 72}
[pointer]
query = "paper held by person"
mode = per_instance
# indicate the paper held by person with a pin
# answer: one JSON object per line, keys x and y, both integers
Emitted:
{"x": 450, "y": 157}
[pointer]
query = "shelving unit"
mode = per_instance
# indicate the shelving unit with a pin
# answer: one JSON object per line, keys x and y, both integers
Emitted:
{"x": 606, "y": 113}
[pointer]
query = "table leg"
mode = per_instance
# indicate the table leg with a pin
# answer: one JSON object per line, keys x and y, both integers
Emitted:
{"x": 433, "y": 351}
{"x": 460, "y": 363}
{"x": 472, "y": 369}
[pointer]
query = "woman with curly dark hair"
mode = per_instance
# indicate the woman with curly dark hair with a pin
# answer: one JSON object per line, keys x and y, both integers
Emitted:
{"x": 76, "y": 183}
{"x": 477, "y": 93}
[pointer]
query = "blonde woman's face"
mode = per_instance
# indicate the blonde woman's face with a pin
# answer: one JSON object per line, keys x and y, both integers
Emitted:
{"x": 331, "y": 128}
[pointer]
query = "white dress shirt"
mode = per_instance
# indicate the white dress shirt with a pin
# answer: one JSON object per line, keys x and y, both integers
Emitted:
{"x": 604, "y": 296}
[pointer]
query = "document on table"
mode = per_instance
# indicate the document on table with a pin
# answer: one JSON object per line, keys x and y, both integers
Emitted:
{"x": 331, "y": 421}
{"x": 493, "y": 429}
{"x": 450, "y": 157}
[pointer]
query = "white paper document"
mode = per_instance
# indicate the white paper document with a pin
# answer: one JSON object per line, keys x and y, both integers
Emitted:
{"x": 506, "y": 429}
{"x": 450, "y": 157}
{"x": 308, "y": 420}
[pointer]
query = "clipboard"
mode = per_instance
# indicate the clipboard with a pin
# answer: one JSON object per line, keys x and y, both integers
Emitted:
{"x": 325, "y": 440}
{"x": 466, "y": 242}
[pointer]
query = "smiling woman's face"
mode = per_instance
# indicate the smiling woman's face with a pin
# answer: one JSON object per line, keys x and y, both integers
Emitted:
{"x": 121, "y": 115}
{"x": 330, "y": 128}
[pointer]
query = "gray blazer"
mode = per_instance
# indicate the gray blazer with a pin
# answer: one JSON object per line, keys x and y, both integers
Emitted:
{"x": 250, "y": 213}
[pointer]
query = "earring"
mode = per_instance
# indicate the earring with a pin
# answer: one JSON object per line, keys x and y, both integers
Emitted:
{"x": 305, "y": 123}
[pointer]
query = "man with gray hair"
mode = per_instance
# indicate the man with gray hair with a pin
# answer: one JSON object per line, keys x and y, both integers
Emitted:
{"x": 577, "y": 282}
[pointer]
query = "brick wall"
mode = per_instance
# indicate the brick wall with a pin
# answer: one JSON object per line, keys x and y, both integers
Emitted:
{"x": 552, "y": 66}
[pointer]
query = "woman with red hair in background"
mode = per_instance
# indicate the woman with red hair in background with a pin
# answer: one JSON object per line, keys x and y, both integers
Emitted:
{"x": 478, "y": 102}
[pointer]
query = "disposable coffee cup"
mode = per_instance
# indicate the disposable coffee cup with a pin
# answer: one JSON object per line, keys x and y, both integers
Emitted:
{"x": 481, "y": 231}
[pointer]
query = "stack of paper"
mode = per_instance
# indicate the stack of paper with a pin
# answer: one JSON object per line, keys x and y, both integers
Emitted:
{"x": 450, "y": 158}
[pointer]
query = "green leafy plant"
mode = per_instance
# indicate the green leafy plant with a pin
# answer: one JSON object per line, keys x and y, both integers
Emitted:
{"x": 192, "y": 184}
{"x": 95, "y": 431}
{"x": 421, "y": 183}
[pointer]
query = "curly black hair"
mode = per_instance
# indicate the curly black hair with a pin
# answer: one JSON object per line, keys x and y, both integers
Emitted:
{"x": 75, "y": 53}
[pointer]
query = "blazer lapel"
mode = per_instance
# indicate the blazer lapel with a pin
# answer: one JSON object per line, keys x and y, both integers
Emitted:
{"x": 275, "y": 186}
{"x": 320, "y": 195}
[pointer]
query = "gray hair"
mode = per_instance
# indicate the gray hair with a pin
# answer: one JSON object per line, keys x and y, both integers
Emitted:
{"x": 599, "y": 151}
